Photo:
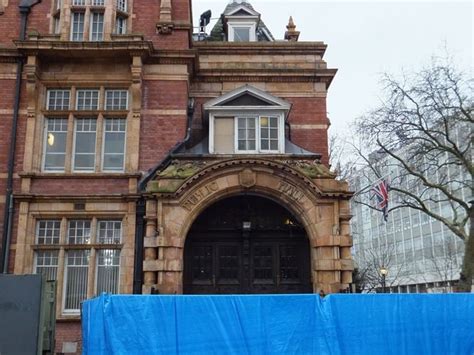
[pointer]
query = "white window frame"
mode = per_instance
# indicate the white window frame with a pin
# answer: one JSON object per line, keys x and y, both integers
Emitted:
{"x": 45, "y": 144}
{"x": 38, "y": 222}
{"x": 112, "y": 91}
{"x": 73, "y": 311}
{"x": 87, "y": 108}
{"x": 96, "y": 276}
{"x": 236, "y": 134}
{"x": 48, "y": 96}
{"x": 96, "y": 36}
{"x": 121, "y": 5}
{"x": 122, "y": 30}
{"x": 73, "y": 158}
{"x": 257, "y": 115}
{"x": 108, "y": 170}
{"x": 72, "y": 37}
{"x": 252, "y": 27}
{"x": 35, "y": 263}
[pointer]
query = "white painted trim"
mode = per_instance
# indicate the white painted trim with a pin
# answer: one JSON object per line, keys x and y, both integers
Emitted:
{"x": 260, "y": 94}
{"x": 251, "y": 26}
{"x": 211, "y": 134}
{"x": 245, "y": 8}
{"x": 236, "y": 135}
{"x": 102, "y": 153}
{"x": 45, "y": 146}
{"x": 73, "y": 158}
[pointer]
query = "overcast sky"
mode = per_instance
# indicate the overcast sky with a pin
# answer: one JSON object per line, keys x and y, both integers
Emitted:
{"x": 367, "y": 38}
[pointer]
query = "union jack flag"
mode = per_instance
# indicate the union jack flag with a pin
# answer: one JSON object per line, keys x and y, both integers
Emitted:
{"x": 380, "y": 191}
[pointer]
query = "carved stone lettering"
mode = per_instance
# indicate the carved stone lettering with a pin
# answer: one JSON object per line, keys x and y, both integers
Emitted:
{"x": 290, "y": 190}
{"x": 199, "y": 195}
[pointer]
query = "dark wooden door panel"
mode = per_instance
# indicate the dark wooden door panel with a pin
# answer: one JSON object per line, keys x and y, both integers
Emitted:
{"x": 249, "y": 265}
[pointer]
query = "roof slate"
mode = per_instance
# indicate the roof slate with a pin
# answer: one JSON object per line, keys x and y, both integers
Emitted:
{"x": 218, "y": 33}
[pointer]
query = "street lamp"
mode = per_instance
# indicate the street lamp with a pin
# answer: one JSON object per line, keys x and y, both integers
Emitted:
{"x": 383, "y": 272}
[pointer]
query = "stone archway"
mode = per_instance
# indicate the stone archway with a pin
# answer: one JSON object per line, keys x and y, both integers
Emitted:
{"x": 246, "y": 244}
{"x": 320, "y": 203}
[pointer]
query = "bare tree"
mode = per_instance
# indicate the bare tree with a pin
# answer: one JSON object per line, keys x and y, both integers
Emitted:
{"x": 339, "y": 156}
{"x": 421, "y": 137}
{"x": 369, "y": 268}
{"x": 445, "y": 266}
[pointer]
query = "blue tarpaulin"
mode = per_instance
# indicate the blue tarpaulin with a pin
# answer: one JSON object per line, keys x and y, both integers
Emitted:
{"x": 279, "y": 324}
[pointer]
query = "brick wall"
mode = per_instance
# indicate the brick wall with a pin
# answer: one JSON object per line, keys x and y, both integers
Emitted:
{"x": 159, "y": 132}
{"x": 68, "y": 331}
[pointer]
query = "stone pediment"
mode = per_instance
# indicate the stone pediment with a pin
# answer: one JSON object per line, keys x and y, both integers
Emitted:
{"x": 245, "y": 97}
{"x": 242, "y": 10}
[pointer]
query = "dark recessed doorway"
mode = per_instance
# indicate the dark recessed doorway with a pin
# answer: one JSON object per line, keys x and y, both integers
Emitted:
{"x": 246, "y": 244}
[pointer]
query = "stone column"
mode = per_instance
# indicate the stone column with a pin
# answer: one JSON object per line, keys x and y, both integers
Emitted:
{"x": 150, "y": 251}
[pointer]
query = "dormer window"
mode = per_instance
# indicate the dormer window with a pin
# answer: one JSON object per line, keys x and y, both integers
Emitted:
{"x": 242, "y": 24}
{"x": 247, "y": 121}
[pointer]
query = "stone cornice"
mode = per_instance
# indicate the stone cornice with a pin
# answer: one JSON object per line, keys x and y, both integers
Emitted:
{"x": 272, "y": 75}
{"x": 78, "y": 49}
{"x": 9, "y": 55}
{"x": 76, "y": 198}
{"x": 271, "y": 48}
{"x": 79, "y": 175}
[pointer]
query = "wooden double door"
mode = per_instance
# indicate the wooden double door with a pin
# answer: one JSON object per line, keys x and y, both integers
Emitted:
{"x": 244, "y": 262}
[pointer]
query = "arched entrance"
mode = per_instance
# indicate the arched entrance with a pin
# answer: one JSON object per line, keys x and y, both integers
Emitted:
{"x": 246, "y": 244}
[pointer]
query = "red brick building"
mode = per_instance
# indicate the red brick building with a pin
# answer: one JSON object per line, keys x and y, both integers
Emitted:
{"x": 138, "y": 158}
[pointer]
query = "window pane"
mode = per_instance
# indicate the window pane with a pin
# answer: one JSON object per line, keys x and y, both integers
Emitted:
{"x": 246, "y": 133}
{"x": 110, "y": 232}
{"x": 97, "y": 26}
{"x": 77, "y": 26}
{"x": 79, "y": 232}
{"x": 87, "y": 100}
{"x": 122, "y": 5}
{"x": 55, "y": 144}
{"x": 268, "y": 133}
{"x": 47, "y": 263}
{"x": 108, "y": 267}
{"x": 120, "y": 25}
{"x": 77, "y": 267}
{"x": 116, "y": 99}
{"x": 114, "y": 144}
{"x": 84, "y": 147}
{"x": 241, "y": 34}
{"x": 47, "y": 232}
{"x": 58, "y": 100}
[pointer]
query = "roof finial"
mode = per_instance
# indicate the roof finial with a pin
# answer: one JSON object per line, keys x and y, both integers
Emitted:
{"x": 291, "y": 34}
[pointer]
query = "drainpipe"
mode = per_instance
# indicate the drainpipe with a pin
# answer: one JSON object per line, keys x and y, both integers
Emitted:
{"x": 139, "y": 232}
{"x": 25, "y": 8}
{"x": 141, "y": 203}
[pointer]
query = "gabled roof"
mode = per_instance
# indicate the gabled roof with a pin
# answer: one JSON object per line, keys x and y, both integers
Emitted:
{"x": 247, "y": 95}
{"x": 242, "y": 10}
{"x": 218, "y": 32}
